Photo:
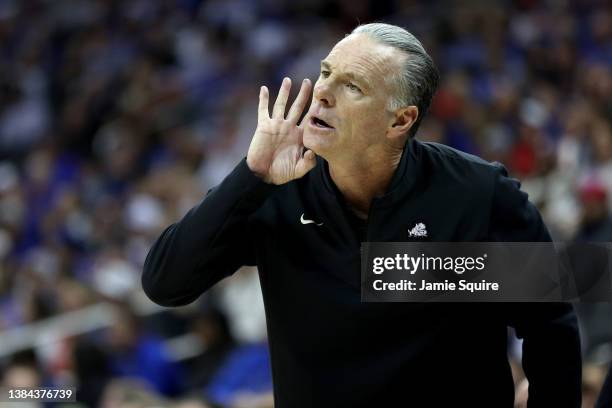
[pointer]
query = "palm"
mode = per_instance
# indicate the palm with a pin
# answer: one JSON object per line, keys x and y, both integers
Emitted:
{"x": 277, "y": 153}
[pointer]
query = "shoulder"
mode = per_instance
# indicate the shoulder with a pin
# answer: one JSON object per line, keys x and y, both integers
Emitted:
{"x": 454, "y": 169}
{"x": 487, "y": 187}
{"x": 506, "y": 191}
{"x": 454, "y": 159}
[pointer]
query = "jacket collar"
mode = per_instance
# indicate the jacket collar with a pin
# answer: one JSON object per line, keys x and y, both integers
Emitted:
{"x": 403, "y": 181}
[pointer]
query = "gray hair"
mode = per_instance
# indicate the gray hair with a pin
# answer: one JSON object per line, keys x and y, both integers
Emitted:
{"x": 418, "y": 80}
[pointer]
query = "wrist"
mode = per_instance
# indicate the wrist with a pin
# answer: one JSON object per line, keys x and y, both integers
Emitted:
{"x": 257, "y": 170}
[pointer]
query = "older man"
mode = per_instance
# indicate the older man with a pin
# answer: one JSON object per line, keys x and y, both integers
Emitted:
{"x": 304, "y": 199}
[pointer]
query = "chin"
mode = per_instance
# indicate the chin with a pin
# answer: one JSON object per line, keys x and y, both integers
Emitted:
{"x": 315, "y": 142}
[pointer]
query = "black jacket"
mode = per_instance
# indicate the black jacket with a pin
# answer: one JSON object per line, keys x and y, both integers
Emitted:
{"x": 330, "y": 350}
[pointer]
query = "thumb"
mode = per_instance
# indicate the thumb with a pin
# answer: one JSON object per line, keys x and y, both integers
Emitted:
{"x": 305, "y": 164}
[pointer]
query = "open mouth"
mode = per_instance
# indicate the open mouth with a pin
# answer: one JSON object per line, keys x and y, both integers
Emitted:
{"x": 320, "y": 123}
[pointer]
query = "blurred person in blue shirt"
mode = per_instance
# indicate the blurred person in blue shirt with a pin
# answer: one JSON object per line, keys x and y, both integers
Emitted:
{"x": 136, "y": 353}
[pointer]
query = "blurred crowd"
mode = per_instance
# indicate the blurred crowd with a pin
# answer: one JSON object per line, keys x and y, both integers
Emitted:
{"x": 117, "y": 116}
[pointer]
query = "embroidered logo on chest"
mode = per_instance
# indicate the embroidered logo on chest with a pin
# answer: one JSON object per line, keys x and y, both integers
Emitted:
{"x": 418, "y": 231}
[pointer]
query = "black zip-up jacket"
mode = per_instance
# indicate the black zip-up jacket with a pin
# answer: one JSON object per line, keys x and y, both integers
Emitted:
{"x": 330, "y": 350}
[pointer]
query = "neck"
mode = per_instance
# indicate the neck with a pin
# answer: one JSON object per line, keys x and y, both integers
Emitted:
{"x": 361, "y": 178}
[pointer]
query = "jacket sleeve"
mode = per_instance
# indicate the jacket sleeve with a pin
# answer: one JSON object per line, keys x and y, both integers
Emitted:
{"x": 209, "y": 243}
{"x": 551, "y": 343}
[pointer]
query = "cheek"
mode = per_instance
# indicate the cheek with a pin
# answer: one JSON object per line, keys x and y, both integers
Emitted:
{"x": 369, "y": 120}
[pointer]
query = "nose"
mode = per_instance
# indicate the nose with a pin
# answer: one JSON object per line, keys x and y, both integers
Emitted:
{"x": 323, "y": 94}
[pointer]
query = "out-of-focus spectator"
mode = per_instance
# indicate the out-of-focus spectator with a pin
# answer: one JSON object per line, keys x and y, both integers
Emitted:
{"x": 136, "y": 353}
{"x": 92, "y": 371}
{"x": 595, "y": 226}
{"x": 191, "y": 403}
{"x": 242, "y": 300}
{"x": 605, "y": 396}
{"x": 124, "y": 393}
{"x": 212, "y": 330}
{"x": 596, "y": 223}
{"x": 24, "y": 370}
{"x": 246, "y": 374}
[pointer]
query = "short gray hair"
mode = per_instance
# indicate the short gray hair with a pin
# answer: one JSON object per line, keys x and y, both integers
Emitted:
{"x": 418, "y": 80}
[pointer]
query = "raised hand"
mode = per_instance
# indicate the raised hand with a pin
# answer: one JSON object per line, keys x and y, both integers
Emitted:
{"x": 277, "y": 153}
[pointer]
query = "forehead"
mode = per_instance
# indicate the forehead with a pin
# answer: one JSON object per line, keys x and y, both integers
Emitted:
{"x": 359, "y": 54}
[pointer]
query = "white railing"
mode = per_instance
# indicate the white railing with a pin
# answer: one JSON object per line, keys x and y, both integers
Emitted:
{"x": 54, "y": 329}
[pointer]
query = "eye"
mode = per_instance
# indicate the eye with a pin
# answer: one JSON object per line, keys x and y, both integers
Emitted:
{"x": 324, "y": 73}
{"x": 353, "y": 87}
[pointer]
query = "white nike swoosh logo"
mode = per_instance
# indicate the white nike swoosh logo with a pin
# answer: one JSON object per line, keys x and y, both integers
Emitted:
{"x": 305, "y": 221}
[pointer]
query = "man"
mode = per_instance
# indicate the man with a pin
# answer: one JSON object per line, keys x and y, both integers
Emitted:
{"x": 304, "y": 199}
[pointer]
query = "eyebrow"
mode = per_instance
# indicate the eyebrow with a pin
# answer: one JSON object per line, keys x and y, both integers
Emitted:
{"x": 357, "y": 78}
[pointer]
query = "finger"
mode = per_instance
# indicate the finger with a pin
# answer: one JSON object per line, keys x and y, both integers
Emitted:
{"x": 281, "y": 100}
{"x": 304, "y": 121}
{"x": 300, "y": 102}
{"x": 305, "y": 164}
{"x": 262, "y": 111}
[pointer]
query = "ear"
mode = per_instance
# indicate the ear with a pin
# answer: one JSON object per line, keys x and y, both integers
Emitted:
{"x": 402, "y": 121}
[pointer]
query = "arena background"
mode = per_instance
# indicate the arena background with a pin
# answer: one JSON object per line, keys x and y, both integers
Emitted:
{"x": 117, "y": 116}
